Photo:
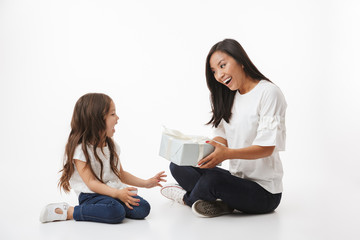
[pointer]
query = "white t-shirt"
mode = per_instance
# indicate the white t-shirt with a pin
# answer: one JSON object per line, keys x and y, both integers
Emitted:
{"x": 258, "y": 118}
{"x": 109, "y": 177}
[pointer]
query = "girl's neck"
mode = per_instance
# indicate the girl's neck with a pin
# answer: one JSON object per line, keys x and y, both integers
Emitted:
{"x": 102, "y": 143}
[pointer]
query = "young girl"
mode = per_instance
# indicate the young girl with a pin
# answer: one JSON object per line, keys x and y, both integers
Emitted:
{"x": 93, "y": 169}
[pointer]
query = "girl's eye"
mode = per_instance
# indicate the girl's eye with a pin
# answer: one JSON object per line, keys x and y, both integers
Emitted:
{"x": 222, "y": 65}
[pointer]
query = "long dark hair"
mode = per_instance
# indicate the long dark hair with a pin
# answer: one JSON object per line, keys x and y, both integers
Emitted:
{"x": 88, "y": 127}
{"x": 222, "y": 98}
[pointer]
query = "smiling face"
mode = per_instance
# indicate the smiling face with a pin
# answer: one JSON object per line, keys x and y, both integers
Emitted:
{"x": 111, "y": 120}
{"x": 227, "y": 70}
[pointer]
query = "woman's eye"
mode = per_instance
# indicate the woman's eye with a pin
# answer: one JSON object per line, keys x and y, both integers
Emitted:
{"x": 222, "y": 65}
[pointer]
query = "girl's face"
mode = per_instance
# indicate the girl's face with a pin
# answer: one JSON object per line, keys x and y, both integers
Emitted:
{"x": 227, "y": 70}
{"x": 111, "y": 120}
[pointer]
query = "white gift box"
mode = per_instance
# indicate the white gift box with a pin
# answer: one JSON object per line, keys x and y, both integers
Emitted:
{"x": 184, "y": 150}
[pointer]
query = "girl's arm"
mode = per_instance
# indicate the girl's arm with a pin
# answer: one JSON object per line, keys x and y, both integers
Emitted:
{"x": 130, "y": 179}
{"x": 222, "y": 153}
{"x": 125, "y": 195}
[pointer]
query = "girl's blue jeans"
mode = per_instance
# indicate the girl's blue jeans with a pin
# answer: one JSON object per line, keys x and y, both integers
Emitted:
{"x": 217, "y": 183}
{"x": 94, "y": 207}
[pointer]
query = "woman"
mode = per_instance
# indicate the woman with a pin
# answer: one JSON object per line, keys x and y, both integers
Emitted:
{"x": 248, "y": 114}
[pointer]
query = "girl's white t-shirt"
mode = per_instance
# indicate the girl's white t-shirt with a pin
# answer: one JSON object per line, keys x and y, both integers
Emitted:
{"x": 258, "y": 118}
{"x": 109, "y": 177}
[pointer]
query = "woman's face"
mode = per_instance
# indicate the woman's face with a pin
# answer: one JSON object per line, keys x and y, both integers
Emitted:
{"x": 227, "y": 70}
{"x": 111, "y": 120}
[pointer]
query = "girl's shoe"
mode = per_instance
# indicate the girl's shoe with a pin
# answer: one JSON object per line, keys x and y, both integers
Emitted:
{"x": 203, "y": 208}
{"x": 174, "y": 192}
{"x": 48, "y": 213}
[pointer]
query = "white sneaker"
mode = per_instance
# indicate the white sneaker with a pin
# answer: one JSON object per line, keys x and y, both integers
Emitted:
{"x": 203, "y": 208}
{"x": 174, "y": 192}
{"x": 48, "y": 213}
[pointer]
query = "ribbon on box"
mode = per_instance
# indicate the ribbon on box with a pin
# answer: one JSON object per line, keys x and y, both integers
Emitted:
{"x": 175, "y": 134}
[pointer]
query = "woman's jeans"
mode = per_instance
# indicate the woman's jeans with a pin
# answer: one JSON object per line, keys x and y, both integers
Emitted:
{"x": 94, "y": 207}
{"x": 217, "y": 183}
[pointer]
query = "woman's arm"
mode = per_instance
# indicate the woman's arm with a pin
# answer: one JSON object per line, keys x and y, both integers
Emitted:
{"x": 220, "y": 140}
{"x": 125, "y": 195}
{"x": 250, "y": 153}
{"x": 222, "y": 153}
{"x": 130, "y": 179}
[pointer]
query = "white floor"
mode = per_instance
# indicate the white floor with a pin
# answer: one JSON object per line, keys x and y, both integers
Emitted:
{"x": 319, "y": 214}
{"x": 150, "y": 59}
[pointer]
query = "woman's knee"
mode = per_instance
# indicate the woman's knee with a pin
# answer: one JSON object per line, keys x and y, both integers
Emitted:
{"x": 177, "y": 171}
{"x": 183, "y": 171}
{"x": 173, "y": 168}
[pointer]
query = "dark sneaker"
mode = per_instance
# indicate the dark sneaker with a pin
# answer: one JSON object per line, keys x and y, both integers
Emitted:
{"x": 203, "y": 208}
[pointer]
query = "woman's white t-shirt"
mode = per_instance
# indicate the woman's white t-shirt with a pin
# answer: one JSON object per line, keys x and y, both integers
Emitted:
{"x": 258, "y": 118}
{"x": 109, "y": 177}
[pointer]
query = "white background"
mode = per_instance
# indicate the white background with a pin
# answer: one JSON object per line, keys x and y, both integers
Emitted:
{"x": 149, "y": 57}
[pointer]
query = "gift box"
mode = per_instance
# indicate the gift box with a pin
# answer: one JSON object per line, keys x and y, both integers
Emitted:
{"x": 183, "y": 150}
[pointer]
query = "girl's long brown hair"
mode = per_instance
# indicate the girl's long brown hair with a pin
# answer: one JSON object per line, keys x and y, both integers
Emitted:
{"x": 88, "y": 127}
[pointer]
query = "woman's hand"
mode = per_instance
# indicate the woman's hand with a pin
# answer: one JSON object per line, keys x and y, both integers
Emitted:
{"x": 155, "y": 181}
{"x": 212, "y": 160}
{"x": 126, "y": 196}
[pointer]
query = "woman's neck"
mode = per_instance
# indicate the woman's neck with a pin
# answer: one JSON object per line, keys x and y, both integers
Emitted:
{"x": 248, "y": 85}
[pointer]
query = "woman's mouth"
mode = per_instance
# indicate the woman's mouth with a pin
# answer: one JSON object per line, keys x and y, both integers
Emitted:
{"x": 227, "y": 81}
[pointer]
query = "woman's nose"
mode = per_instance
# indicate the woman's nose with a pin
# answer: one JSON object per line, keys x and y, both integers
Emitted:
{"x": 219, "y": 75}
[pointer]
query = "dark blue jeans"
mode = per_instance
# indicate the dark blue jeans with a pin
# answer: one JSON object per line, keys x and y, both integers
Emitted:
{"x": 94, "y": 207}
{"x": 217, "y": 183}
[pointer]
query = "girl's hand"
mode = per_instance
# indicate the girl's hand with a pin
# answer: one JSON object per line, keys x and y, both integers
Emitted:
{"x": 212, "y": 160}
{"x": 155, "y": 181}
{"x": 126, "y": 196}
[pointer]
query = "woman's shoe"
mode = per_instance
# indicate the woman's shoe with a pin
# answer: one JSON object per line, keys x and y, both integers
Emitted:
{"x": 203, "y": 208}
